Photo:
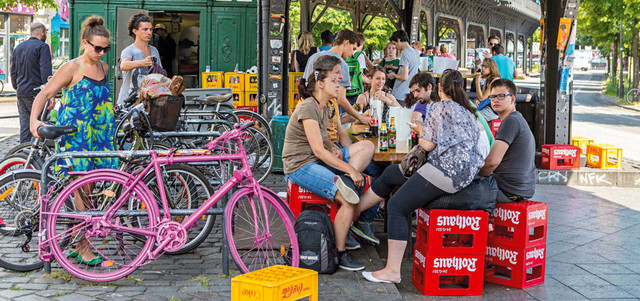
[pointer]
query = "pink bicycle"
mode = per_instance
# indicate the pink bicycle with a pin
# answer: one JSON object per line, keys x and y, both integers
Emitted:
{"x": 116, "y": 216}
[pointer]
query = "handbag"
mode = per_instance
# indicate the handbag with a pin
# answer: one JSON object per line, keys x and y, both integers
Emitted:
{"x": 155, "y": 68}
{"x": 416, "y": 157}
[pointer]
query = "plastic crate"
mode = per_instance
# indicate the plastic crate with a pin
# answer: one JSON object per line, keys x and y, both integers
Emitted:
{"x": 560, "y": 157}
{"x": 277, "y": 282}
{"x": 238, "y": 99}
{"x": 234, "y": 81}
{"x": 212, "y": 79}
{"x": 294, "y": 80}
{"x": 448, "y": 275}
{"x": 294, "y": 98}
{"x": 515, "y": 267}
{"x": 518, "y": 225}
{"x": 495, "y": 126}
{"x": 300, "y": 199}
{"x": 251, "y": 82}
{"x": 452, "y": 231}
{"x": 582, "y": 143}
{"x": 251, "y": 99}
{"x": 604, "y": 156}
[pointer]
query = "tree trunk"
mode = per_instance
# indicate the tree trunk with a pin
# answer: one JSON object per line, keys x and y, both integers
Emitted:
{"x": 636, "y": 60}
{"x": 614, "y": 70}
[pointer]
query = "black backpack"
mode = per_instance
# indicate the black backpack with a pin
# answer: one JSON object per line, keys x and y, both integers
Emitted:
{"x": 316, "y": 242}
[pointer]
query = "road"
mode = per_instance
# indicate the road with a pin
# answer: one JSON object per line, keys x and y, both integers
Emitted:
{"x": 8, "y": 126}
{"x": 605, "y": 123}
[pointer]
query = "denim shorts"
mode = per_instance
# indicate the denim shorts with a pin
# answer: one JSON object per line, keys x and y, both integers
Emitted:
{"x": 316, "y": 177}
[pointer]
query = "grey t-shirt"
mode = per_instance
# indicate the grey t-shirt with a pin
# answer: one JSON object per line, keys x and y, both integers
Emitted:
{"x": 516, "y": 174}
{"x": 410, "y": 58}
{"x": 344, "y": 68}
{"x": 131, "y": 79}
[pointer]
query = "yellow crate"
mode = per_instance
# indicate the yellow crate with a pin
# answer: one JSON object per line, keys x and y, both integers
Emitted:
{"x": 234, "y": 81}
{"x": 277, "y": 282}
{"x": 294, "y": 80}
{"x": 582, "y": 143}
{"x": 212, "y": 79}
{"x": 251, "y": 82}
{"x": 604, "y": 156}
{"x": 251, "y": 98}
{"x": 294, "y": 98}
{"x": 238, "y": 99}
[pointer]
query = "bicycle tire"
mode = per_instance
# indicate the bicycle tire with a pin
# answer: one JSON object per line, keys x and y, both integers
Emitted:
{"x": 261, "y": 122}
{"x": 12, "y": 234}
{"x": 262, "y": 161}
{"x": 281, "y": 241}
{"x": 118, "y": 260}
{"x": 125, "y": 142}
{"x": 26, "y": 147}
{"x": 1, "y": 86}
{"x": 630, "y": 96}
{"x": 17, "y": 161}
{"x": 199, "y": 190}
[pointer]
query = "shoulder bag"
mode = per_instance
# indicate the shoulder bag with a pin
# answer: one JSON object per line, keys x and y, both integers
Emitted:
{"x": 416, "y": 157}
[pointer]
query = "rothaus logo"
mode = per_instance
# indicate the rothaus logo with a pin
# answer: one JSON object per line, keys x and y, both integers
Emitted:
{"x": 456, "y": 263}
{"x": 459, "y": 221}
{"x": 538, "y": 214}
{"x": 503, "y": 254}
{"x": 421, "y": 258}
{"x": 505, "y": 214}
{"x": 565, "y": 152}
{"x": 424, "y": 216}
{"x": 535, "y": 254}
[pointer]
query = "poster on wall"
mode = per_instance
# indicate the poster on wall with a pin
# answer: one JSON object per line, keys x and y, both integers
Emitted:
{"x": 563, "y": 33}
{"x": 569, "y": 54}
{"x": 541, "y": 33}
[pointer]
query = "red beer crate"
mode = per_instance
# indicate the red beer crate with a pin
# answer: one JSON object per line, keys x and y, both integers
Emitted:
{"x": 560, "y": 157}
{"x": 452, "y": 231}
{"x": 300, "y": 199}
{"x": 515, "y": 267}
{"x": 495, "y": 126}
{"x": 448, "y": 275}
{"x": 519, "y": 225}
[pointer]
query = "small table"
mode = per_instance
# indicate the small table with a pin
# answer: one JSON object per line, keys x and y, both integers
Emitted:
{"x": 391, "y": 155}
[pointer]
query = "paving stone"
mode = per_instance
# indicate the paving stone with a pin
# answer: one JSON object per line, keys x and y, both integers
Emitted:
{"x": 601, "y": 291}
{"x": 605, "y": 268}
{"x": 573, "y": 280}
{"x": 74, "y": 297}
{"x": 15, "y": 279}
{"x": 11, "y": 294}
{"x": 195, "y": 289}
{"x": 623, "y": 279}
{"x": 31, "y": 297}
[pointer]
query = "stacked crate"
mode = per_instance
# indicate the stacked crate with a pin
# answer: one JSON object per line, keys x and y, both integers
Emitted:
{"x": 294, "y": 95}
{"x": 212, "y": 79}
{"x": 251, "y": 92}
{"x": 517, "y": 244}
{"x": 235, "y": 81}
{"x": 449, "y": 252}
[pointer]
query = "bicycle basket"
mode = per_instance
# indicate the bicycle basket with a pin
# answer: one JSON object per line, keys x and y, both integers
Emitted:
{"x": 164, "y": 112}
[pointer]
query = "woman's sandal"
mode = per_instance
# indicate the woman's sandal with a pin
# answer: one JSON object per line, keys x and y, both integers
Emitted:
{"x": 95, "y": 261}
{"x": 73, "y": 254}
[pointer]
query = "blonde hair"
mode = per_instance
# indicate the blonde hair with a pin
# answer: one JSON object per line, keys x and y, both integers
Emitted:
{"x": 305, "y": 42}
{"x": 444, "y": 48}
{"x": 384, "y": 51}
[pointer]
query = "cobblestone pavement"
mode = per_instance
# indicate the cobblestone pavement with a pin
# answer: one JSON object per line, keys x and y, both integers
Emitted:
{"x": 593, "y": 251}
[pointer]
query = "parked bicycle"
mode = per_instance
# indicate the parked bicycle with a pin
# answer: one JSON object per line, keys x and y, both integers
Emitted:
{"x": 125, "y": 227}
{"x": 633, "y": 95}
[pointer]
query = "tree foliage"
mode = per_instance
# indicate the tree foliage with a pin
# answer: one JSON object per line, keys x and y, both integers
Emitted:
{"x": 600, "y": 20}
{"x": 8, "y": 4}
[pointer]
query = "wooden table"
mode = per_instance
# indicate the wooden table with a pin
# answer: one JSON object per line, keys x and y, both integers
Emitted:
{"x": 391, "y": 155}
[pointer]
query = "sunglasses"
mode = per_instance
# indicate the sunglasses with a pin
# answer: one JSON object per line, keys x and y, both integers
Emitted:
{"x": 99, "y": 49}
{"x": 499, "y": 96}
{"x": 493, "y": 44}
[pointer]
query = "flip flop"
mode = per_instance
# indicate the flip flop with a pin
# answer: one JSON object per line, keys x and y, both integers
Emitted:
{"x": 369, "y": 276}
{"x": 73, "y": 254}
{"x": 95, "y": 261}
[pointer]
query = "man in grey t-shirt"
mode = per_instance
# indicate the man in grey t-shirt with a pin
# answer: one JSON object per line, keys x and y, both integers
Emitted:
{"x": 409, "y": 63}
{"x": 512, "y": 157}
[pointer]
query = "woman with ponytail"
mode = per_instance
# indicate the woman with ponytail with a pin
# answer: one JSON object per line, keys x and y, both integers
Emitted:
{"x": 457, "y": 148}
{"x": 86, "y": 104}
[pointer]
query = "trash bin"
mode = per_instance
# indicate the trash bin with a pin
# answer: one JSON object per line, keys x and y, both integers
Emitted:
{"x": 279, "y": 127}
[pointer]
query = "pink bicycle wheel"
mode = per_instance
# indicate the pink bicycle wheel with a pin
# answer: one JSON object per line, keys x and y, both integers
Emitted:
{"x": 251, "y": 243}
{"x": 116, "y": 242}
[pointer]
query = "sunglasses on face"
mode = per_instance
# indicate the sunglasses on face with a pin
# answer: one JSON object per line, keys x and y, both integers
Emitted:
{"x": 499, "y": 96}
{"x": 493, "y": 44}
{"x": 99, "y": 49}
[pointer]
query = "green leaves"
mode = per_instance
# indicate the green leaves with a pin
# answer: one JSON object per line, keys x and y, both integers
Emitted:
{"x": 38, "y": 4}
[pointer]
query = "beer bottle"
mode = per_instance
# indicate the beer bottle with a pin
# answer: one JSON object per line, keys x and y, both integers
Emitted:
{"x": 374, "y": 123}
{"x": 414, "y": 138}
{"x": 392, "y": 133}
{"x": 383, "y": 140}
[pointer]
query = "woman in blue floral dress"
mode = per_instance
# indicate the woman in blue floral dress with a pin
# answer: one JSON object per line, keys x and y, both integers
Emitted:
{"x": 87, "y": 104}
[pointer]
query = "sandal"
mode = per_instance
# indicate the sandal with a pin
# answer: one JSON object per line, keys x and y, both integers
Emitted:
{"x": 95, "y": 261}
{"x": 73, "y": 254}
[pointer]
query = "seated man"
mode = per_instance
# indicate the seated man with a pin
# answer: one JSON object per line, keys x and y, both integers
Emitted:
{"x": 512, "y": 155}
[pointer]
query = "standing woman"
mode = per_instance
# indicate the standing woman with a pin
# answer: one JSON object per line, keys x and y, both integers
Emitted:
{"x": 305, "y": 50}
{"x": 87, "y": 104}
{"x": 390, "y": 63}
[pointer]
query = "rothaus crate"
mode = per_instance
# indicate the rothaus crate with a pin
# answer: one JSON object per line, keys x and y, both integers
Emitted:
{"x": 560, "y": 157}
{"x": 515, "y": 267}
{"x": 520, "y": 225}
{"x": 300, "y": 199}
{"x": 448, "y": 275}
{"x": 452, "y": 231}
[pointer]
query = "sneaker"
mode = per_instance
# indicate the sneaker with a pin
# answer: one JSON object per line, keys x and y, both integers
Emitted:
{"x": 351, "y": 243}
{"x": 347, "y": 188}
{"x": 348, "y": 263}
{"x": 365, "y": 231}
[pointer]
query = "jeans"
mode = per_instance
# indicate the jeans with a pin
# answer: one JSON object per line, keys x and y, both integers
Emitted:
{"x": 316, "y": 177}
{"x": 373, "y": 170}
{"x": 24, "y": 111}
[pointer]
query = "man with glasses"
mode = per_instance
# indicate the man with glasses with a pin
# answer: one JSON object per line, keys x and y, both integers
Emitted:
{"x": 512, "y": 155}
{"x": 30, "y": 69}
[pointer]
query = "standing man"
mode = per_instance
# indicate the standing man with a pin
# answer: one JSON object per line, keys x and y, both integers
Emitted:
{"x": 506, "y": 66}
{"x": 30, "y": 69}
{"x": 344, "y": 46}
{"x": 493, "y": 41}
{"x": 357, "y": 64}
{"x": 409, "y": 63}
{"x": 512, "y": 156}
{"x": 327, "y": 40}
{"x": 136, "y": 59}
{"x": 166, "y": 47}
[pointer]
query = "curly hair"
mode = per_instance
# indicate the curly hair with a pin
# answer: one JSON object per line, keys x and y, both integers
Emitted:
{"x": 134, "y": 22}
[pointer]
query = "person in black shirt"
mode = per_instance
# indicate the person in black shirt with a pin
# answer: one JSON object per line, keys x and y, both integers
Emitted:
{"x": 30, "y": 69}
{"x": 167, "y": 48}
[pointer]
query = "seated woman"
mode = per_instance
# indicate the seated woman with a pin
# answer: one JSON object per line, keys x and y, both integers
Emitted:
{"x": 312, "y": 161}
{"x": 483, "y": 80}
{"x": 451, "y": 136}
{"x": 378, "y": 78}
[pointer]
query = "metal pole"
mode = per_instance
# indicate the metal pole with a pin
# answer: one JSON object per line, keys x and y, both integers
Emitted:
{"x": 621, "y": 89}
